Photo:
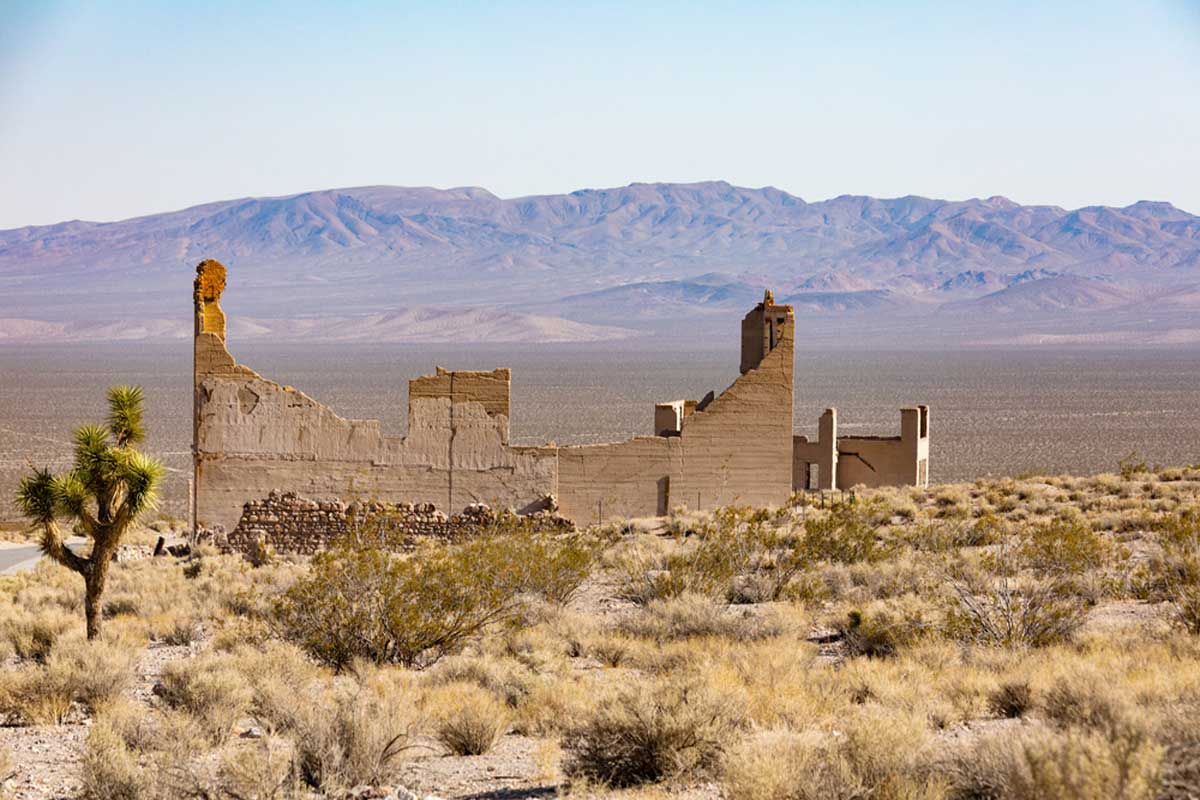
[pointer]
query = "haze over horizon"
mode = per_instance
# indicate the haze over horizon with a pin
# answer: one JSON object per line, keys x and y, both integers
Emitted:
{"x": 114, "y": 112}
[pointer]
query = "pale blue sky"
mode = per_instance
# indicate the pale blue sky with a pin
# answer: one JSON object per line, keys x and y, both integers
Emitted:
{"x": 110, "y": 110}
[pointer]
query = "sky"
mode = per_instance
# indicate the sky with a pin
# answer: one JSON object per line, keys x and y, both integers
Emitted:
{"x": 112, "y": 110}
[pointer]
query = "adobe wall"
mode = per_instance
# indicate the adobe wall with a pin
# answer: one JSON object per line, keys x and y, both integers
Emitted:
{"x": 887, "y": 460}
{"x": 736, "y": 448}
{"x": 823, "y": 453}
{"x": 253, "y": 436}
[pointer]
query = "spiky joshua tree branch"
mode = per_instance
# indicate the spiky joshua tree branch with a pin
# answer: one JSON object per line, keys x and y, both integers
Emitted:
{"x": 102, "y": 495}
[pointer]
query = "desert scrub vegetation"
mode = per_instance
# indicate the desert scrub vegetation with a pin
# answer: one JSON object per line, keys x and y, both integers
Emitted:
{"x": 1008, "y": 638}
{"x": 371, "y": 602}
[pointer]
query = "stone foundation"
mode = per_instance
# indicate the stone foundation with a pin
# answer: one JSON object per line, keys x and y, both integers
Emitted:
{"x": 289, "y": 523}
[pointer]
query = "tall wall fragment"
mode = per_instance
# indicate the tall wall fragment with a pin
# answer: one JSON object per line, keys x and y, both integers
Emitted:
{"x": 253, "y": 436}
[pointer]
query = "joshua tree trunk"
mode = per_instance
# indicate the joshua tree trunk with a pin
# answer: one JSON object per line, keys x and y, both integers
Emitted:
{"x": 93, "y": 581}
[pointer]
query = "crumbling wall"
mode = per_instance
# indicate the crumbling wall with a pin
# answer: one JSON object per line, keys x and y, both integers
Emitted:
{"x": 737, "y": 448}
{"x": 887, "y": 460}
{"x": 253, "y": 435}
{"x": 287, "y": 522}
{"x": 822, "y": 454}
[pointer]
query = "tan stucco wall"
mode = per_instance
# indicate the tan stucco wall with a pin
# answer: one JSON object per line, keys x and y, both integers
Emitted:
{"x": 887, "y": 461}
{"x": 737, "y": 450}
{"x": 254, "y": 436}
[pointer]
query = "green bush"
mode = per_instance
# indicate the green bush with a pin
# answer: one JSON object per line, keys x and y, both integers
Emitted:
{"x": 740, "y": 554}
{"x": 1062, "y": 548}
{"x": 368, "y": 602}
{"x": 845, "y": 535}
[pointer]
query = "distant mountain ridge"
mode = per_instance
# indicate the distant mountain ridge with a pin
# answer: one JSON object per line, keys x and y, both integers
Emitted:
{"x": 635, "y": 255}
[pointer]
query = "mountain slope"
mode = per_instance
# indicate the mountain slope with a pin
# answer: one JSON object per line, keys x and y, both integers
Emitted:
{"x": 644, "y": 251}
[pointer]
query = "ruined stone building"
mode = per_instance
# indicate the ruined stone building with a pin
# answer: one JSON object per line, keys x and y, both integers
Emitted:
{"x": 253, "y": 436}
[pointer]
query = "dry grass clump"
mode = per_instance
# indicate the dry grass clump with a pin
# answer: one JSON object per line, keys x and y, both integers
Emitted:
{"x": 870, "y": 755}
{"x": 466, "y": 718}
{"x": 97, "y": 673}
{"x": 1011, "y": 699}
{"x": 504, "y": 677}
{"x": 883, "y": 628}
{"x": 91, "y": 674}
{"x": 32, "y": 634}
{"x": 649, "y": 732}
{"x": 109, "y": 770}
{"x": 209, "y": 688}
{"x": 350, "y": 735}
{"x": 1067, "y": 764}
{"x": 691, "y": 615}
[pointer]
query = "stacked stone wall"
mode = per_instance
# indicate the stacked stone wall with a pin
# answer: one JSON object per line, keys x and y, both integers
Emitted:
{"x": 289, "y": 523}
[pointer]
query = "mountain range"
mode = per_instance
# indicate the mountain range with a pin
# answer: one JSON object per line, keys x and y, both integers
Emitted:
{"x": 394, "y": 264}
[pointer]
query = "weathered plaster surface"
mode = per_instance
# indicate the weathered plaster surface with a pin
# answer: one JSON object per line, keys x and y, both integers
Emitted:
{"x": 254, "y": 436}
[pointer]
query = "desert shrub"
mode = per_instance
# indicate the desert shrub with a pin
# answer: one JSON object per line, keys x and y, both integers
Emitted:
{"x": 610, "y": 649}
{"x": 1011, "y": 699}
{"x": 649, "y": 732}
{"x": 952, "y": 502}
{"x": 874, "y": 753}
{"x": 94, "y": 673}
{"x": 1078, "y": 764}
{"x": 262, "y": 772}
{"x": 466, "y": 718}
{"x": 1131, "y": 466}
{"x": 1066, "y": 765}
{"x": 1013, "y": 614}
{"x": 183, "y": 630}
{"x": 882, "y": 629}
{"x": 1085, "y": 701}
{"x": 32, "y": 634}
{"x": 362, "y": 602}
{"x": 942, "y": 535}
{"x": 350, "y": 735}
{"x": 35, "y": 696}
{"x": 845, "y": 535}
{"x": 130, "y": 721}
{"x": 108, "y": 770}
{"x": 787, "y": 766}
{"x": 126, "y": 606}
{"x": 506, "y": 678}
{"x": 554, "y": 704}
{"x": 1062, "y": 548}
{"x": 693, "y": 615}
{"x": 557, "y": 566}
{"x": 209, "y": 689}
{"x": 1179, "y": 736}
{"x": 1177, "y": 570}
{"x": 739, "y": 554}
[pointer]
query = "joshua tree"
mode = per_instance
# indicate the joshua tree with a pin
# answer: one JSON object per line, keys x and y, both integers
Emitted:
{"x": 110, "y": 485}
